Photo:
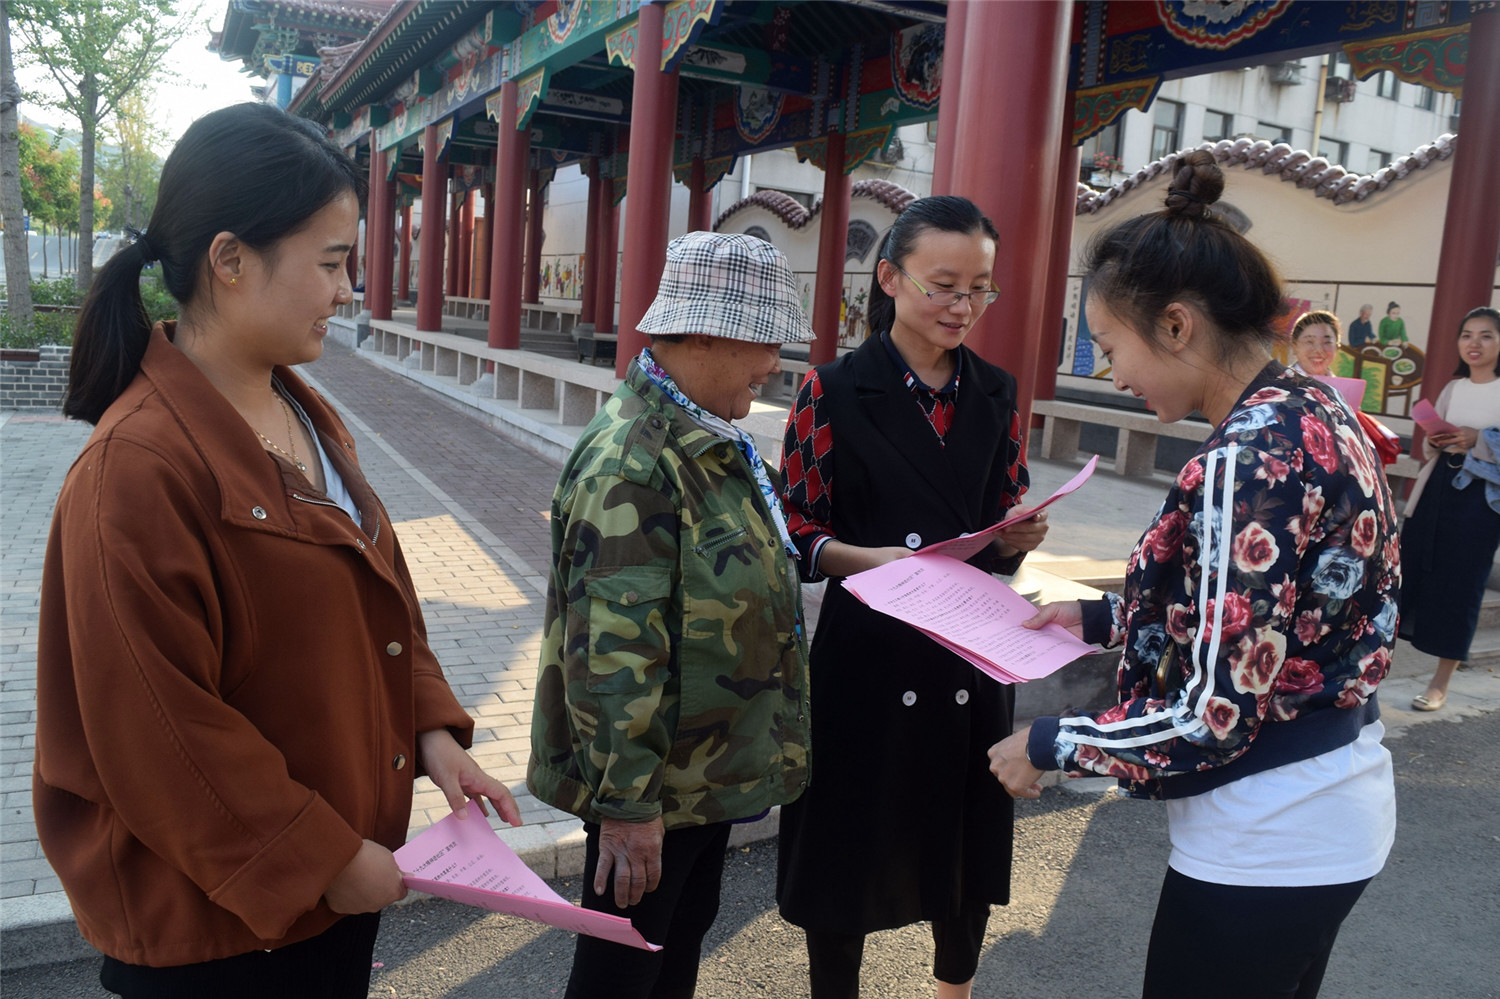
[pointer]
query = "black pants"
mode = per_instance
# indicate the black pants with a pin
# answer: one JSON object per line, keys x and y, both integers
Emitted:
{"x": 335, "y": 964}
{"x": 834, "y": 958}
{"x": 676, "y": 915}
{"x": 1234, "y": 942}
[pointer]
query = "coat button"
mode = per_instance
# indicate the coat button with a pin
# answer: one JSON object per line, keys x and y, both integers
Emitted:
{"x": 258, "y": 512}
{"x": 962, "y": 697}
{"x": 631, "y": 597}
{"x": 909, "y": 698}
{"x": 398, "y": 762}
{"x": 914, "y": 540}
{"x": 393, "y": 649}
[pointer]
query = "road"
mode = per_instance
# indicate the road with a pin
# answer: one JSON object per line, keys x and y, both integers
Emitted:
{"x": 1088, "y": 869}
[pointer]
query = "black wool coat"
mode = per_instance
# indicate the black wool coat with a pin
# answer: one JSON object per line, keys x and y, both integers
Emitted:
{"x": 902, "y": 820}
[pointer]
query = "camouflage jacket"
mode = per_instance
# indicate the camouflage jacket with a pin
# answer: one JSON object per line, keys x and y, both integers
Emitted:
{"x": 673, "y": 675}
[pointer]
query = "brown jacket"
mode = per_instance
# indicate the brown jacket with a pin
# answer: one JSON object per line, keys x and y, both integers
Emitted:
{"x": 231, "y": 677}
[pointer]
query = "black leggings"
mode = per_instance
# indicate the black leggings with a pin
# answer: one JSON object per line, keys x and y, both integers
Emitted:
{"x": 677, "y": 915}
{"x": 1234, "y": 942}
{"x": 335, "y": 964}
{"x": 834, "y": 958}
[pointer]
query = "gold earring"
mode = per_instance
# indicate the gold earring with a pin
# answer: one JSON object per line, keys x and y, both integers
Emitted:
{"x": 233, "y": 280}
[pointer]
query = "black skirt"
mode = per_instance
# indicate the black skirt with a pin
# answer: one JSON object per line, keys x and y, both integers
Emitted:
{"x": 1448, "y": 549}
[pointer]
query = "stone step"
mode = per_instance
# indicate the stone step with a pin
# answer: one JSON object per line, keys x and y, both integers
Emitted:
{"x": 1489, "y": 611}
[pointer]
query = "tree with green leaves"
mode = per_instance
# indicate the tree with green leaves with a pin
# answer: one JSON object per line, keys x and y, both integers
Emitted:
{"x": 129, "y": 175}
{"x": 49, "y": 185}
{"x": 97, "y": 52}
{"x": 17, "y": 253}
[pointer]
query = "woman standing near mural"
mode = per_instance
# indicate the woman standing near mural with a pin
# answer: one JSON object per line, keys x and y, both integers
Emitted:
{"x": 1452, "y": 527}
{"x": 878, "y": 462}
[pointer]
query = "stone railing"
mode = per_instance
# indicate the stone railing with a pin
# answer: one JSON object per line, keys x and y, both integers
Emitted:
{"x": 539, "y": 400}
{"x": 1135, "y": 447}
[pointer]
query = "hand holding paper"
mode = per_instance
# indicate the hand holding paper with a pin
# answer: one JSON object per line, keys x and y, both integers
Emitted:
{"x": 969, "y": 612}
{"x": 1428, "y": 419}
{"x": 463, "y": 860}
{"x": 966, "y": 546}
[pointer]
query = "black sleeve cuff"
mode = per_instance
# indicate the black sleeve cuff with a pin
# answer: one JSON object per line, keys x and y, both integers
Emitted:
{"x": 1098, "y": 620}
{"x": 1039, "y": 743}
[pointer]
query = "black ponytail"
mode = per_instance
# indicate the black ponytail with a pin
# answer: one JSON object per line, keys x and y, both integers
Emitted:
{"x": 941, "y": 213}
{"x": 250, "y": 169}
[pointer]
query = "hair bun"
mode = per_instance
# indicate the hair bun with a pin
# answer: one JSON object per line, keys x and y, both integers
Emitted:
{"x": 1195, "y": 186}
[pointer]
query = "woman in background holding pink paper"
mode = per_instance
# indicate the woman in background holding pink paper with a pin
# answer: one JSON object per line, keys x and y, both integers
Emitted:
{"x": 909, "y": 440}
{"x": 1315, "y": 342}
{"x": 1452, "y": 527}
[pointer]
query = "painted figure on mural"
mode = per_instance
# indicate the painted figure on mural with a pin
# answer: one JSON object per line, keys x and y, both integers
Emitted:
{"x": 1361, "y": 331}
{"x": 1392, "y": 327}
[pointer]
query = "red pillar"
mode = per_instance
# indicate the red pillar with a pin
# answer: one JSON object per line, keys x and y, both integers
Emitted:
{"x": 653, "y": 126}
{"x": 588, "y": 289}
{"x": 1471, "y": 229}
{"x": 466, "y": 246}
{"x": 430, "y": 267}
{"x": 1008, "y": 165}
{"x": 403, "y": 288}
{"x": 609, "y": 232}
{"x": 531, "y": 278}
{"x": 833, "y": 240}
{"x": 380, "y": 234}
{"x": 506, "y": 238}
{"x": 948, "y": 102}
{"x": 1057, "y": 267}
{"x": 700, "y": 202}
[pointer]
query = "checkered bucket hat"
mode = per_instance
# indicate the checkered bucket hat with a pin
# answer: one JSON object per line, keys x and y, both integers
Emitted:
{"x": 727, "y": 285}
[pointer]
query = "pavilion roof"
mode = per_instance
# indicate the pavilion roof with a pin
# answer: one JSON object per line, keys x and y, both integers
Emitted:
{"x": 255, "y": 29}
{"x": 1309, "y": 172}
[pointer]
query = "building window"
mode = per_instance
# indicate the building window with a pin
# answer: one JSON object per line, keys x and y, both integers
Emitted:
{"x": 1217, "y": 125}
{"x": 1387, "y": 86}
{"x": 1334, "y": 151}
{"x": 1341, "y": 68}
{"x": 1378, "y": 160}
{"x": 932, "y": 132}
{"x": 1426, "y": 98}
{"x": 1099, "y": 155}
{"x": 1166, "y": 129}
{"x": 1273, "y": 133}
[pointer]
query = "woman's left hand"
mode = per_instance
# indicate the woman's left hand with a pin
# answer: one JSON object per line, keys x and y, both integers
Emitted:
{"x": 1025, "y": 536}
{"x": 1462, "y": 439}
{"x": 459, "y": 778}
{"x": 1009, "y": 763}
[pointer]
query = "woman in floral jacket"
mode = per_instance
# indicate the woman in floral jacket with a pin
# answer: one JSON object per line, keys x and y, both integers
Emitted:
{"x": 1257, "y": 620}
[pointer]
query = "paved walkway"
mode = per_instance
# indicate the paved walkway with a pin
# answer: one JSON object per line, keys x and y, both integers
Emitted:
{"x": 471, "y": 509}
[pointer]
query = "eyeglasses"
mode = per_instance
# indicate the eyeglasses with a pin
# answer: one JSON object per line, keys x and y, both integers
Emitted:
{"x": 948, "y": 299}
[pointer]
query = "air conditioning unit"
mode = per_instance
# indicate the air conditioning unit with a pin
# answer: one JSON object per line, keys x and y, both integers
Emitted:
{"x": 892, "y": 153}
{"x": 1285, "y": 73}
{"x": 1338, "y": 90}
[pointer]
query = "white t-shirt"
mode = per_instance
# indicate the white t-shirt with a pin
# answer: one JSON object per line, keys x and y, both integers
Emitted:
{"x": 1328, "y": 820}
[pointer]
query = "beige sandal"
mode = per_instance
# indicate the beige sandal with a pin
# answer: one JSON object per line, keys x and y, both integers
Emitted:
{"x": 1428, "y": 701}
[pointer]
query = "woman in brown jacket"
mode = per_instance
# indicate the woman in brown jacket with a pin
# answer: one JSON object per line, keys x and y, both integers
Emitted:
{"x": 235, "y": 688}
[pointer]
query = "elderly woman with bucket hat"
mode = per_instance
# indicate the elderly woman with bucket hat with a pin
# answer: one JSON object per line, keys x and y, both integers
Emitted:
{"x": 672, "y": 692}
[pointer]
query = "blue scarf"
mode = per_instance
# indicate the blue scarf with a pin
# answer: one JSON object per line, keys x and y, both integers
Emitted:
{"x": 723, "y": 428}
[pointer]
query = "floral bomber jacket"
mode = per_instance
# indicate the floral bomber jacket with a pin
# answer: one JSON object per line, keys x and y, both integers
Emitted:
{"x": 1259, "y": 608}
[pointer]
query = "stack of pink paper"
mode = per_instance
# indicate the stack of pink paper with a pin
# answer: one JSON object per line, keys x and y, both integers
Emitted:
{"x": 970, "y": 612}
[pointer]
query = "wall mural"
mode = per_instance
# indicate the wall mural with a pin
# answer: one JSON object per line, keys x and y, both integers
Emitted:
{"x": 1384, "y": 343}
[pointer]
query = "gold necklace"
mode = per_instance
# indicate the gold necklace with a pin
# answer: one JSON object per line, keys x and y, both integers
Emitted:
{"x": 291, "y": 455}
